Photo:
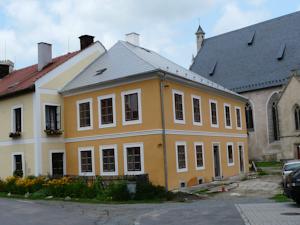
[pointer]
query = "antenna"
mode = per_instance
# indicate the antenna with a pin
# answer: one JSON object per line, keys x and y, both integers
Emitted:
{"x": 68, "y": 44}
{"x": 4, "y": 50}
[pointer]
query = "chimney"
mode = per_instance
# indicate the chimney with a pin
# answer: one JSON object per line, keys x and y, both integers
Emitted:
{"x": 133, "y": 38}
{"x": 200, "y": 35}
{"x": 86, "y": 41}
{"x": 6, "y": 67}
{"x": 44, "y": 55}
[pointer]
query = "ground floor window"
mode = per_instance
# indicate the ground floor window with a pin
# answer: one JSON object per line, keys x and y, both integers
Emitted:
{"x": 230, "y": 154}
{"x": 181, "y": 156}
{"x": 109, "y": 160}
{"x": 18, "y": 165}
{"x": 134, "y": 158}
{"x": 199, "y": 155}
{"x": 86, "y": 161}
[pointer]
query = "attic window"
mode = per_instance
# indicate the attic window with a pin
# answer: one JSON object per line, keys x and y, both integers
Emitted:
{"x": 99, "y": 72}
{"x": 251, "y": 38}
{"x": 213, "y": 68}
{"x": 281, "y": 51}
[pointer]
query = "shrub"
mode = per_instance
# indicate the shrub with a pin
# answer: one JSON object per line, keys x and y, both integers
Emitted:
{"x": 117, "y": 191}
{"x": 2, "y": 186}
{"x": 148, "y": 191}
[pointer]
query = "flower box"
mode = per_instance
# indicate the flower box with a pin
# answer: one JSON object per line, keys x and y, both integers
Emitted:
{"x": 53, "y": 132}
{"x": 15, "y": 134}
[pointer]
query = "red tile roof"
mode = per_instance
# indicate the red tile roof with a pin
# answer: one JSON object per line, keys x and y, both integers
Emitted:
{"x": 22, "y": 80}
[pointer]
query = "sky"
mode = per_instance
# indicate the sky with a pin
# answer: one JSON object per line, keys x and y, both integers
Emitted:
{"x": 167, "y": 27}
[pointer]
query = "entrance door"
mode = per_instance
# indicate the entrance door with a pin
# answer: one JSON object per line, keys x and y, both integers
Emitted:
{"x": 57, "y": 164}
{"x": 241, "y": 155}
{"x": 217, "y": 165}
{"x": 298, "y": 152}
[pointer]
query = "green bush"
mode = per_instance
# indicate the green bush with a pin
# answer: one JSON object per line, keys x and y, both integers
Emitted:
{"x": 116, "y": 191}
{"x": 148, "y": 191}
{"x": 2, "y": 186}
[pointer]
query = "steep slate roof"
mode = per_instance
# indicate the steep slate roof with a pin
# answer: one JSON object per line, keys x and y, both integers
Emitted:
{"x": 125, "y": 60}
{"x": 22, "y": 80}
{"x": 254, "y": 57}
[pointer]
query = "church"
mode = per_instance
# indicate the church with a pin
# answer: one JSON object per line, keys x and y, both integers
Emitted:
{"x": 260, "y": 62}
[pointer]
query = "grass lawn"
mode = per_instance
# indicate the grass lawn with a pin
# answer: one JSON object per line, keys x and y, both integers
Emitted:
{"x": 281, "y": 198}
{"x": 269, "y": 164}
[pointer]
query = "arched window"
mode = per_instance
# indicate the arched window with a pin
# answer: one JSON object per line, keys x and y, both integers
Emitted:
{"x": 249, "y": 116}
{"x": 273, "y": 118}
{"x": 297, "y": 117}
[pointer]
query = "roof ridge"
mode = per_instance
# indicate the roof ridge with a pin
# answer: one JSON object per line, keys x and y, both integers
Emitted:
{"x": 255, "y": 24}
{"x": 124, "y": 44}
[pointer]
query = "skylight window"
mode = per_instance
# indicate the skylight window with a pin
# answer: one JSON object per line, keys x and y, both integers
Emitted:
{"x": 281, "y": 51}
{"x": 251, "y": 38}
{"x": 213, "y": 68}
{"x": 99, "y": 72}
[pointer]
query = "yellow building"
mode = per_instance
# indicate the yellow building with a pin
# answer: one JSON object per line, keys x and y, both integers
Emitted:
{"x": 134, "y": 112}
{"x": 31, "y": 109}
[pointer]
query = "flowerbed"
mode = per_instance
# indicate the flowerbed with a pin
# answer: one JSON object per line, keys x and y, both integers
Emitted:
{"x": 43, "y": 187}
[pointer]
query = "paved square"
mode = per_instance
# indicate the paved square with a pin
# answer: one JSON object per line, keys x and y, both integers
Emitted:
{"x": 270, "y": 213}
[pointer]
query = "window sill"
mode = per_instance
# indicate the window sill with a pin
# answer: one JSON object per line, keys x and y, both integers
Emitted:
{"x": 53, "y": 132}
{"x": 15, "y": 134}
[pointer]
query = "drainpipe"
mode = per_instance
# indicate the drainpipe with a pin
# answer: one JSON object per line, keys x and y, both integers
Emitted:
{"x": 163, "y": 123}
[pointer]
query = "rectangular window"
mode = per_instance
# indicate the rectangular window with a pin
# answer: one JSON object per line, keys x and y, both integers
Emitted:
{"x": 199, "y": 155}
{"x": 134, "y": 159}
{"x": 230, "y": 154}
{"x": 86, "y": 161}
{"x": 107, "y": 111}
{"x": 238, "y": 118}
{"x": 213, "y": 113}
{"x": 17, "y": 118}
{"x": 196, "y": 103}
{"x": 52, "y": 115}
{"x": 181, "y": 157}
{"x": 227, "y": 115}
{"x": 131, "y": 101}
{"x": 18, "y": 164}
{"x": 109, "y": 160}
{"x": 178, "y": 107}
{"x": 84, "y": 114}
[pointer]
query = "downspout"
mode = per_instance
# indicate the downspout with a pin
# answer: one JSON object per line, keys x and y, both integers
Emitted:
{"x": 163, "y": 123}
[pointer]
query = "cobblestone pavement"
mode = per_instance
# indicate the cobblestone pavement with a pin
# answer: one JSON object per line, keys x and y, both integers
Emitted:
{"x": 270, "y": 213}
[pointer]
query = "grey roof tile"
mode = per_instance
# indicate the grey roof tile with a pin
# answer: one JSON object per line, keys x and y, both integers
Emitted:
{"x": 125, "y": 60}
{"x": 244, "y": 67}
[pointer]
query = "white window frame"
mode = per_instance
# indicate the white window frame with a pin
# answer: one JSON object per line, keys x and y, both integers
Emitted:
{"x": 12, "y": 124}
{"x": 135, "y": 91}
{"x": 81, "y": 149}
{"x": 44, "y": 109}
{"x": 203, "y": 155}
{"x": 241, "y": 121}
{"x": 50, "y": 160}
{"x": 115, "y": 148}
{"x": 227, "y": 153}
{"x": 230, "y": 114}
{"x": 90, "y": 101}
{"x": 183, "y": 106}
{"x": 199, "y": 98}
{"x": 13, "y": 166}
{"x": 177, "y": 143}
{"x": 113, "y": 97}
{"x": 128, "y": 145}
{"x": 217, "y": 113}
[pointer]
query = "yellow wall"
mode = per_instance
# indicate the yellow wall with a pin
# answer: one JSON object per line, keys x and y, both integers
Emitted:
{"x": 151, "y": 120}
{"x": 6, "y": 159}
{"x": 6, "y": 116}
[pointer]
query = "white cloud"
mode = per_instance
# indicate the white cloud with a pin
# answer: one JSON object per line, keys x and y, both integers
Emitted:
{"x": 234, "y": 17}
{"x": 58, "y": 21}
